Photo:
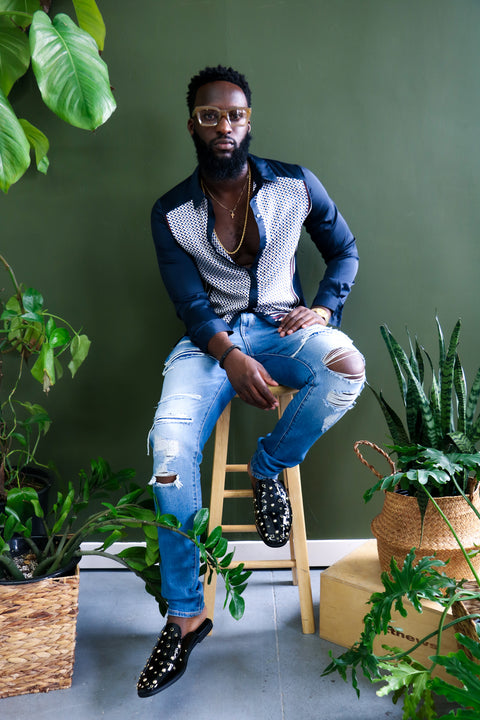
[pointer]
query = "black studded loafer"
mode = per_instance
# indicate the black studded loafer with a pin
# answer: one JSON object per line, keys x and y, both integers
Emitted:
{"x": 169, "y": 658}
{"x": 273, "y": 513}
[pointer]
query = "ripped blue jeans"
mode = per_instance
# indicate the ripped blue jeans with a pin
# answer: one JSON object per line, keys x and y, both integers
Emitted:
{"x": 195, "y": 393}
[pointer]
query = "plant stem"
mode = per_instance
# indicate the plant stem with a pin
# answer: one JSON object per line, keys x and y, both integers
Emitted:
{"x": 464, "y": 552}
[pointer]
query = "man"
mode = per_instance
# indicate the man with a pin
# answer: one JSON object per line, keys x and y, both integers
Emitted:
{"x": 226, "y": 241}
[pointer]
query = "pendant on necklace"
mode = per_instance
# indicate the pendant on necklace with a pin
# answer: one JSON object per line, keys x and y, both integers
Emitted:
{"x": 232, "y": 214}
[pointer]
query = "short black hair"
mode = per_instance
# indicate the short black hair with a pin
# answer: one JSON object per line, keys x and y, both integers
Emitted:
{"x": 216, "y": 74}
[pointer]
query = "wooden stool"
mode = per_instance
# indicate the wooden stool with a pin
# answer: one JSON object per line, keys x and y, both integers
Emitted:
{"x": 298, "y": 538}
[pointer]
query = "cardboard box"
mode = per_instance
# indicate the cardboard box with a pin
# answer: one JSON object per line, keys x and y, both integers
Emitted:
{"x": 345, "y": 589}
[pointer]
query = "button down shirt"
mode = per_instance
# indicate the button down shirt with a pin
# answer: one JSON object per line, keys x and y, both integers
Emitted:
{"x": 209, "y": 289}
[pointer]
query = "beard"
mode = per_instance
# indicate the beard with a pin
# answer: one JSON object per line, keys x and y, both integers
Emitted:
{"x": 221, "y": 168}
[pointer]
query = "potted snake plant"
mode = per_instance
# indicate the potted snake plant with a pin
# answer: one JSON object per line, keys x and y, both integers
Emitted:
{"x": 434, "y": 464}
{"x": 433, "y": 456}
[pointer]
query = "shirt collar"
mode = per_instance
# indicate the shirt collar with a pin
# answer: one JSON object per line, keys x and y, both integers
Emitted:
{"x": 261, "y": 171}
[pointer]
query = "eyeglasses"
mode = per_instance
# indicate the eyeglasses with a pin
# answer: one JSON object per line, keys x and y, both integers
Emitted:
{"x": 211, "y": 116}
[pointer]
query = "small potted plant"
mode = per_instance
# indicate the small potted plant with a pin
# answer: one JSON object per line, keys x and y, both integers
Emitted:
{"x": 39, "y": 575}
{"x": 35, "y": 339}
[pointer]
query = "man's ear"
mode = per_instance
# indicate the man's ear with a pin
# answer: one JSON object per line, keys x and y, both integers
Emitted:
{"x": 190, "y": 126}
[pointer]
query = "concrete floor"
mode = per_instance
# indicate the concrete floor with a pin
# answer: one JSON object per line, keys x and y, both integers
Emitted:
{"x": 260, "y": 667}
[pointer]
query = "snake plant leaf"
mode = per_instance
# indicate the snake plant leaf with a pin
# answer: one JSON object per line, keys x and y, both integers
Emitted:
{"x": 90, "y": 19}
{"x": 387, "y": 336}
{"x": 460, "y": 386}
{"x": 446, "y": 381}
{"x": 14, "y": 54}
{"x": 72, "y": 78}
{"x": 395, "y": 425}
{"x": 472, "y": 400}
{"x": 14, "y": 146}
{"x": 441, "y": 342}
{"x": 462, "y": 442}
{"x": 401, "y": 360}
{"x": 39, "y": 144}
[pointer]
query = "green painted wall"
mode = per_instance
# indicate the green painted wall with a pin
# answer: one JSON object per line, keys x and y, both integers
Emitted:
{"x": 381, "y": 98}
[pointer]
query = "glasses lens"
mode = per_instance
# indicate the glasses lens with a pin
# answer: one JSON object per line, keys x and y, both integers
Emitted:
{"x": 208, "y": 116}
{"x": 238, "y": 116}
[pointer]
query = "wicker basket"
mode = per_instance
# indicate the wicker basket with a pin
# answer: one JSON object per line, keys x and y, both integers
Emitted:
{"x": 398, "y": 528}
{"x": 37, "y": 635}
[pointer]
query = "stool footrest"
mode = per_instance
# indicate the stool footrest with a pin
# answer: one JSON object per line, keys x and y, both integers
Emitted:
{"x": 238, "y": 493}
{"x": 239, "y": 528}
{"x": 232, "y": 467}
{"x": 264, "y": 564}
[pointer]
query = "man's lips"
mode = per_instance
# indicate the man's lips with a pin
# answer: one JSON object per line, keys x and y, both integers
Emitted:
{"x": 223, "y": 144}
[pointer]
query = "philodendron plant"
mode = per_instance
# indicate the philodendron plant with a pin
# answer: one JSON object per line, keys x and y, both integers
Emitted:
{"x": 65, "y": 60}
{"x": 71, "y": 522}
{"x": 30, "y": 335}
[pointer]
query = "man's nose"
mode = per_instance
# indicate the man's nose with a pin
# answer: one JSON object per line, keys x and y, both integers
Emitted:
{"x": 223, "y": 125}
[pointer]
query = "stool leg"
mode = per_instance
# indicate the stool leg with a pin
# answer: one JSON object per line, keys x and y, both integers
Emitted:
{"x": 298, "y": 538}
{"x": 216, "y": 496}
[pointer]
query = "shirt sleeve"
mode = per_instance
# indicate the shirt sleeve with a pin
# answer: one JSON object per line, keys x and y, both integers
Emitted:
{"x": 184, "y": 284}
{"x": 333, "y": 238}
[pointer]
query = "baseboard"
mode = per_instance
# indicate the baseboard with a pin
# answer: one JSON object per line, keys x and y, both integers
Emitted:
{"x": 321, "y": 553}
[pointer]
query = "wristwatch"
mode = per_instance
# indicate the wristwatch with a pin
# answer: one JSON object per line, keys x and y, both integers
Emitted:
{"x": 323, "y": 312}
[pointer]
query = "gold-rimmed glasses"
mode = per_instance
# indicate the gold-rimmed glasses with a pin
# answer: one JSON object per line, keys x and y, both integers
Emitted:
{"x": 210, "y": 116}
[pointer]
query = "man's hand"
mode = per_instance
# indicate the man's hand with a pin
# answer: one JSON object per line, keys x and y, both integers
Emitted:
{"x": 250, "y": 380}
{"x": 248, "y": 377}
{"x": 301, "y": 317}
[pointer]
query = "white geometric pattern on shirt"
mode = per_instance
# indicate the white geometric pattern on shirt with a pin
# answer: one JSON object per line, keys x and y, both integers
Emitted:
{"x": 283, "y": 206}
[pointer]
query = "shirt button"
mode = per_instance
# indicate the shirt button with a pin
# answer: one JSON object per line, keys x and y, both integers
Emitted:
{"x": 258, "y": 215}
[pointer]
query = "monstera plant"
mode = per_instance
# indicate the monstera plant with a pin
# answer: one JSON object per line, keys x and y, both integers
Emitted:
{"x": 65, "y": 60}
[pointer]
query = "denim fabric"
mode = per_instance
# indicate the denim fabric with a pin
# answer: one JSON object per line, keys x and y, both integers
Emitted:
{"x": 196, "y": 391}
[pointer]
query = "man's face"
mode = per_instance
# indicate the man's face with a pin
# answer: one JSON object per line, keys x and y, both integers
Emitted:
{"x": 222, "y": 150}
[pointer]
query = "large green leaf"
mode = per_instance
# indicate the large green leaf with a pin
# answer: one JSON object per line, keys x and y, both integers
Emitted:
{"x": 72, "y": 78}
{"x": 14, "y": 146}
{"x": 20, "y": 11}
{"x": 14, "y": 54}
{"x": 90, "y": 19}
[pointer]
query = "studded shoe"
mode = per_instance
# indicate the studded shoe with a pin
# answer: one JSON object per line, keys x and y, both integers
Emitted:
{"x": 169, "y": 658}
{"x": 273, "y": 513}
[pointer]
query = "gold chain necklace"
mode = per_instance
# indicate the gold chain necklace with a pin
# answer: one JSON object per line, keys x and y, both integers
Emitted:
{"x": 214, "y": 197}
{"x": 249, "y": 184}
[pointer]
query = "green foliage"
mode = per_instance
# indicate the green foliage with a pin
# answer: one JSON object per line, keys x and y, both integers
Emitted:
{"x": 439, "y": 414}
{"x": 72, "y": 78}
{"x": 29, "y": 333}
{"x": 467, "y": 670}
{"x": 407, "y": 679}
{"x": 69, "y": 524}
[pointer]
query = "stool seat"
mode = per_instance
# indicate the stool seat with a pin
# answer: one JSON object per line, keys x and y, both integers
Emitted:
{"x": 298, "y": 561}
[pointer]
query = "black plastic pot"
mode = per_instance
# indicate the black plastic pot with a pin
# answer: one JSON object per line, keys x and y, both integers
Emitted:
{"x": 18, "y": 546}
{"x": 42, "y": 482}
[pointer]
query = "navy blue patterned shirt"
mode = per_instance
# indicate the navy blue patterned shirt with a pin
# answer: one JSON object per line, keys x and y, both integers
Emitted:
{"x": 209, "y": 289}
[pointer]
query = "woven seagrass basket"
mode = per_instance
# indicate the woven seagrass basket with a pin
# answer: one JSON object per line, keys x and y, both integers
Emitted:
{"x": 37, "y": 635}
{"x": 398, "y": 527}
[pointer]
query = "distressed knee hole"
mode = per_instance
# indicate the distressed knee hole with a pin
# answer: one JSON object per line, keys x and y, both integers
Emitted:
{"x": 346, "y": 362}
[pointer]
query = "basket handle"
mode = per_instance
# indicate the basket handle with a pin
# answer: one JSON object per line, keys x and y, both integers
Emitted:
{"x": 379, "y": 450}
